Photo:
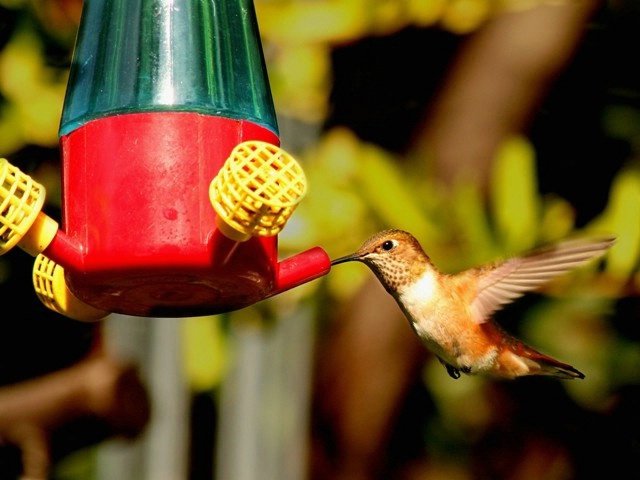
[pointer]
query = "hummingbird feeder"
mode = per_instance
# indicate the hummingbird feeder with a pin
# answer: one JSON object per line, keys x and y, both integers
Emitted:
{"x": 174, "y": 185}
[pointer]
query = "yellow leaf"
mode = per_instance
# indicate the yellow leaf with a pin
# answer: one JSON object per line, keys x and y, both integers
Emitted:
{"x": 558, "y": 219}
{"x": 300, "y": 76}
{"x": 473, "y": 224}
{"x": 514, "y": 197}
{"x": 465, "y": 16}
{"x": 386, "y": 190}
{"x": 11, "y": 134}
{"x": 205, "y": 352}
{"x": 312, "y": 21}
{"x": 425, "y": 13}
{"x": 344, "y": 282}
{"x": 622, "y": 218}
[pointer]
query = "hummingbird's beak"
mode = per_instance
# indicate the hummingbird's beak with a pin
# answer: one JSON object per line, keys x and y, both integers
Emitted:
{"x": 347, "y": 258}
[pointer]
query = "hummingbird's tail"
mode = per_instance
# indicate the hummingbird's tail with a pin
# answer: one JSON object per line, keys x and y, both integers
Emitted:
{"x": 539, "y": 364}
{"x": 554, "y": 368}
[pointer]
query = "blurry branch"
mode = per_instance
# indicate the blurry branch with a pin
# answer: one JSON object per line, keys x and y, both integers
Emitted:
{"x": 95, "y": 388}
{"x": 367, "y": 364}
{"x": 495, "y": 85}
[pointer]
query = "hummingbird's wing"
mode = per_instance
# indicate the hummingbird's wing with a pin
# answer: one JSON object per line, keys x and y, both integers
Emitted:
{"x": 502, "y": 283}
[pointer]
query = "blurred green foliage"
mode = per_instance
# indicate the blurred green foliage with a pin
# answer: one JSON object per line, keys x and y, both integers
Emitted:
{"x": 32, "y": 85}
{"x": 357, "y": 188}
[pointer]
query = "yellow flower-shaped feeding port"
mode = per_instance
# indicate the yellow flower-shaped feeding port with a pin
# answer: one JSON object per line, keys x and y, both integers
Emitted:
{"x": 21, "y": 200}
{"x": 256, "y": 191}
{"x": 51, "y": 288}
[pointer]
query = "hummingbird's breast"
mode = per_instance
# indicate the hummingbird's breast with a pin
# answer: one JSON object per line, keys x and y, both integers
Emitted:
{"x": 419, "y": 301}
{"x": 439, "y": 316}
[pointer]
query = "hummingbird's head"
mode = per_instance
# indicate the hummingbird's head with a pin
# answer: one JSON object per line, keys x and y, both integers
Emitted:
{"x": 395, "y": 256}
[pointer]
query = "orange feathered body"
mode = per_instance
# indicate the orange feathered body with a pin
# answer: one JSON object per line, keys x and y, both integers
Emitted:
{"x": 452, "y": 314}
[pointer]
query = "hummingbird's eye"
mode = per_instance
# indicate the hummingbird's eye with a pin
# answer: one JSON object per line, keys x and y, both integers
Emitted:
{"x": 388, "y": 245}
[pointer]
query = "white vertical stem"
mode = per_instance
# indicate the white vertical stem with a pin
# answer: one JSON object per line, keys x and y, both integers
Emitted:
{"x": 160, "y": 453}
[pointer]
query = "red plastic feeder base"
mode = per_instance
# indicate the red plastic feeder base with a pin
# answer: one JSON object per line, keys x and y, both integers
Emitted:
{"x": 136, "y": 203}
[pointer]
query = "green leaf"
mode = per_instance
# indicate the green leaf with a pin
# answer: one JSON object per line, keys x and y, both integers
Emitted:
{"x": 385, "y": 188}
{"x": 622, "y": 219}
{"x": 515, "y": 201}
{"x": 205, "y": 351}
{"x": 473, "y": 223}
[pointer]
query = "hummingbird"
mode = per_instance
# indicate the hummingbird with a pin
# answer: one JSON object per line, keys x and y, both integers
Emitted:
{"x": 453, "y": 313}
